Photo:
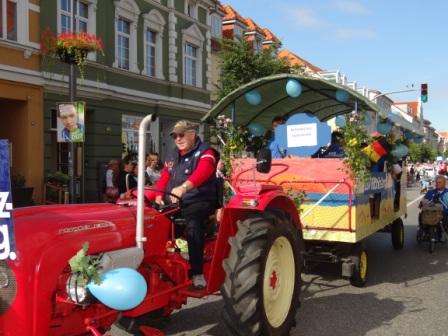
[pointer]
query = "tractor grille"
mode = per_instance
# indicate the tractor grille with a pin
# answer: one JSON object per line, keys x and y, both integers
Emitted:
{"x": 8, "y": 287}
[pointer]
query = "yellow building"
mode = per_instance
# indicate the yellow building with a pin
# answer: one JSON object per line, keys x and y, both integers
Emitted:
{"x": 21, "y": 89}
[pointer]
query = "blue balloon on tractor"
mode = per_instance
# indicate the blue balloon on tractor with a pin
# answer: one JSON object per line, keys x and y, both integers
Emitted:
{"x": 340, "y": 121}
{"x": 384, "y": 127}
{"x": 256, "y": 129}
{"x": 342, "y": 96}
{"x": 293, "y": 88}
{"x": 120, "y": 288}
{"x": 400, "y": 151}
{"x": 253, "y": 97}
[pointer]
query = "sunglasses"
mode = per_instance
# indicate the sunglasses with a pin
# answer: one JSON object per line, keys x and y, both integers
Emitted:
{"x": 177, "y": 135}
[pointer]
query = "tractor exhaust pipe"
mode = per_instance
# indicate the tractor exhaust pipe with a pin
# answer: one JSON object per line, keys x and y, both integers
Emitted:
{"x": 140, "y": 239}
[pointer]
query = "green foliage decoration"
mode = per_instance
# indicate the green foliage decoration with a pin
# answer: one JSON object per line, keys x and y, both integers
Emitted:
{"x": 85, "y": 266}
{"x": 354, "y": 139}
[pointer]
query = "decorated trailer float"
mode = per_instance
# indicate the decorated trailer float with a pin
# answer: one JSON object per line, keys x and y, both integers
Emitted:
{"x": 340, "y": 203}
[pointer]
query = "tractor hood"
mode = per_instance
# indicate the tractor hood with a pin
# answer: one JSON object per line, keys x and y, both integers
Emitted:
{"x": 38, "y": 226}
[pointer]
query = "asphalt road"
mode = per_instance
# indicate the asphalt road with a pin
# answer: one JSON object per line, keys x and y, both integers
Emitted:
{"x": 406, "y": 294}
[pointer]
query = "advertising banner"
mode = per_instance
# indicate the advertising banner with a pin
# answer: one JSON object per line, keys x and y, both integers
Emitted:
{"x": 7, "y": 243}
{"x": 70, "y": 121}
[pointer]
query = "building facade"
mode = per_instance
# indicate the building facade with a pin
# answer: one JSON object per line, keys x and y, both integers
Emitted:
{"x": 157, "y": 59}
{"x": 21, "y": 91}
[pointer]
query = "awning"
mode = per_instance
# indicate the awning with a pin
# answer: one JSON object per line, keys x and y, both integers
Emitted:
{"x": 318, "y": 97}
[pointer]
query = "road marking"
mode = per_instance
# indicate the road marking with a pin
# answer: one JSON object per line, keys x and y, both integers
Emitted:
{"x": 416, "y": 200}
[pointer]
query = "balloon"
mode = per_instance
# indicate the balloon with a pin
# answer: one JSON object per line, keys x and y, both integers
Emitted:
{"x": 253, "y": 97}
{"x": 400, "y": 151}
{"x": 342, "y": 96}
{"x": 256, "y": 129}
{"x": 418, "y": 139}
{"x": 408, "y": 135}
{"x": 340, "y": 121}
{"x": 384, "y": 127}
{"x": 293, "y": 88}
{"x": 120, "y": 288}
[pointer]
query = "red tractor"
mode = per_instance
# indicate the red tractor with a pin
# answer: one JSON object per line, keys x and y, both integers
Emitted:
{"x": 253, "y": 256}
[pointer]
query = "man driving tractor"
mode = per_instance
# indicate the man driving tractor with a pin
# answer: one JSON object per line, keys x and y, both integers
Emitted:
{"x": 190, "y": 175}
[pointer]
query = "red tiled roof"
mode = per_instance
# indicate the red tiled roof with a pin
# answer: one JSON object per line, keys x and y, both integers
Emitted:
{"x": 270, "y": 36}
{"x": 252, "y": 26}
{"x": 296, "y": 60}
{"x": 232, "y": 14}
{"x": 443, "y": 133}
{"x": 412, "y": 106}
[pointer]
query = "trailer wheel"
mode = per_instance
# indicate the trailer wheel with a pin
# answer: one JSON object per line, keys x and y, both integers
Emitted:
{"x": 263, "y": 276}
{"x": 359, "y": 259}
{"x": 397, "y": 234}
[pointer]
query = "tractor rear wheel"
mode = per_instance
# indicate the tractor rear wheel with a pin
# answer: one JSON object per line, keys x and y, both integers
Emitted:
{"x": 263, "y": 276}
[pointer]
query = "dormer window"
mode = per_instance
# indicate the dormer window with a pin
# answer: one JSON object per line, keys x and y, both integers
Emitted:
{"x": 238, "y": 33}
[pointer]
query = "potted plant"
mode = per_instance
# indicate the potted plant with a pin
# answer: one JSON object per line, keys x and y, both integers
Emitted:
{"x": 21, "y": 194}
{"x": 71, "y": 48}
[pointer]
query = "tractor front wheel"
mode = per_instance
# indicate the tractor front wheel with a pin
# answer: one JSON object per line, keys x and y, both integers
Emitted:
{"x": 263, "y": 276}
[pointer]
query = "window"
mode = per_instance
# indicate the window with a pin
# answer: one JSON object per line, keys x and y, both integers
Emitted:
{"x": 150, "y": 43}
{"x": 190, "y": 64}
{"x": 190, "y": 8}
{"x": 154, "y": 24}
{"x": 81, "y": 15}
{"x": 258, "y": 45}
{"x": 238, "y": 32}
{"x": 216, "y": 26}
{"x": 123, "y": 36}
{"x": 127, "y": 13}
{"x": 8, "y": 19}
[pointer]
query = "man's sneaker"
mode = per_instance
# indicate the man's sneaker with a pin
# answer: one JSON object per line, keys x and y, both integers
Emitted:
{"x": 199, "y": 281}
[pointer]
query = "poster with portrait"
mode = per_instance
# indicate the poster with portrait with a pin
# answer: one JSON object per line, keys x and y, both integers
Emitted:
{"x": 70, "y": 121}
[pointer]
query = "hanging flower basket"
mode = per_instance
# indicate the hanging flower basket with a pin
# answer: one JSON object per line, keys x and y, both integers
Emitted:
{"x": 71, "y": 48}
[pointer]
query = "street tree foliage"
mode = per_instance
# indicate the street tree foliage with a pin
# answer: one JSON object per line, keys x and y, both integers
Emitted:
{"x": 241, "y": 65}
{"x": 421, "y": 152}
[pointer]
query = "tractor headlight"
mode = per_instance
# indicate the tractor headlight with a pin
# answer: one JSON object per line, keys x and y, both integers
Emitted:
{"x": 77, "y": 290}
{"x": 4, "y": 280}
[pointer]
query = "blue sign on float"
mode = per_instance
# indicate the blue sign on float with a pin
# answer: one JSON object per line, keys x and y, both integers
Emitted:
{"x": 7, "y": 243}
{"x": 302, "y": 135}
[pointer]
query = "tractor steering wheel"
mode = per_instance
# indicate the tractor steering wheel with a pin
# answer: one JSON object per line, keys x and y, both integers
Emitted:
{"x": 166, "y": 206}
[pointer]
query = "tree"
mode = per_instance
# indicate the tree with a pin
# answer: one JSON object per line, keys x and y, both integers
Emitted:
{"x": 241, "y": 65}
{"x": 421, "y": 152}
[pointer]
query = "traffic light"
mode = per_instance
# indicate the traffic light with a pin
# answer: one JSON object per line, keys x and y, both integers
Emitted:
{"x": 424, "y": 92}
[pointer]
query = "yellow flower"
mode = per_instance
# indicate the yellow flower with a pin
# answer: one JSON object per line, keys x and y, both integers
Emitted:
{"x": 232, "y": 146}
{"x": 352, "y": 142}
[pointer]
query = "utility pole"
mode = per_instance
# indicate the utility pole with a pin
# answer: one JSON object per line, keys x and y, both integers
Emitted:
{"x": 72, "y": 94}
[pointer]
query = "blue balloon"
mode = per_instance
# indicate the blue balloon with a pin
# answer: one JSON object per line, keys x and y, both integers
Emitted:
{"x": 408, "y": 135}
{"x": 384, "y": 127}
{"x": 256, "y": 129}
{"x": 120, "y": 288}
{"x": 340, "y": 121}
{"x": 253, "y": 97}
{"x": 400, "y": 151}
{"x": 293, "y": 88}
{"x": 418, "y": 139}
{"x": 342, "y": 96}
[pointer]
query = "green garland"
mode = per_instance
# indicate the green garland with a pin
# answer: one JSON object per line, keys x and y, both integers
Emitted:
{"x": 354, "y": 138}
{"x": 85, "y": 266}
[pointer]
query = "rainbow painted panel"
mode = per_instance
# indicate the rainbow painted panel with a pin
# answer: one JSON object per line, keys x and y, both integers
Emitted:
{"x": 330, "y": 220}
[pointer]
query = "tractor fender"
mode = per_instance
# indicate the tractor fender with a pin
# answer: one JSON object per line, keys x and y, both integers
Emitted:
{"x": 239, "y": 208}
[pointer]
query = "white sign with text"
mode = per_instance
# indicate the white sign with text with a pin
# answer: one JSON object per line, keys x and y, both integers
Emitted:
{"x": 301, "y": 135}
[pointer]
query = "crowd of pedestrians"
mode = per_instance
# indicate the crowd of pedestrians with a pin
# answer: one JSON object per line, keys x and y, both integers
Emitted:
{"x": 122, "y": 175}
{"x": 425, "y": 173}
